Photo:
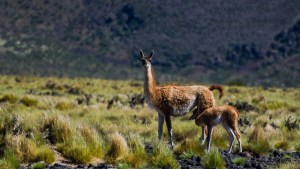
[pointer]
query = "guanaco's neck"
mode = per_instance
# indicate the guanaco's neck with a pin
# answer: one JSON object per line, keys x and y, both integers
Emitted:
{"x": 149, "y": 84}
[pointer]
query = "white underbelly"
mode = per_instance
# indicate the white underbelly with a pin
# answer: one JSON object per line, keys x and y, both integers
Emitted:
{"x": 217, "y": 120}
{"x": 182, "y": 110}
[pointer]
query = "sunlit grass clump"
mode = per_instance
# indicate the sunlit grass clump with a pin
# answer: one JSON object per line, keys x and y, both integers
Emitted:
{"x": 9, "y": 161}
{"x": 10, "y": 98}
{"x": 239, "y": 160}
{"x": 162, "y": 156}
{"x": 258, "y": 142}
{"x": 213, "y": 159}
{"x": 137, "y": 156}
{"x": 282, "y": 145}
{"x": 27, "y": 150}
{"x": 29, "y": 101}
{"x": 118, "y": 149}
{"x": 189, "y": 147}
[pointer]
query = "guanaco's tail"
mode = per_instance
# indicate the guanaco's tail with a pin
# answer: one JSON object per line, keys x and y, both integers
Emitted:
{"x": 219, "y": 88}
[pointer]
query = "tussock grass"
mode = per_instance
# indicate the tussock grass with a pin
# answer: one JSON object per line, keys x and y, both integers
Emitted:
{"x": 189, "y": 147}
{"x": 288, "y": 166}
{"x": 38, "y": 166}
{"x": 283, "y": 145}
{"x": 137, "y": 156}
{"x": 9, "y": 161}
{"x": 9, "y": 98}
{"x": 60, "y": 129}
{"x": 239, "y": 160}
{"x": 83, "y": 132}
{"x": 27, "y": 150}
{"x": 64, "y": 105}
{"x": 118, "y": 148}
{"x": 213, "y": 159}
{"x": 29, "y": 101}
{"x": 77, "y": 151}
{"x": 162, "y": 156}
{"x": 258, "y": 142}
{"x": 93, "y": 140}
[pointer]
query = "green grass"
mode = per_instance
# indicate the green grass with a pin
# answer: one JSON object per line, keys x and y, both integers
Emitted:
{"x": 239, "y": 160}
{"x": 213, "y": 159}
{"x": 87, "y": 133}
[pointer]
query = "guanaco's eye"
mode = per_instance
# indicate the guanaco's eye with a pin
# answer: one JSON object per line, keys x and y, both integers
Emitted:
{"x": 144, "y": 62}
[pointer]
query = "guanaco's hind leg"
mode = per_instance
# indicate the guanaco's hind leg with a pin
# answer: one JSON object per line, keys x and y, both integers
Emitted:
{"x": 208, "y": 139}
{"x": 231, "y": 136}
{"x": 204, "y": 134}
{"x": 238, "y": 137}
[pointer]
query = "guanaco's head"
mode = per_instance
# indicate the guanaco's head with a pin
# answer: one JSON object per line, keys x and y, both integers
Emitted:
{"x": 146, "y": 60}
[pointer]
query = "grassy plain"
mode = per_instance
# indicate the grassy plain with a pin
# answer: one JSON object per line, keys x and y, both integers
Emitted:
{"x": 42, "y": 116}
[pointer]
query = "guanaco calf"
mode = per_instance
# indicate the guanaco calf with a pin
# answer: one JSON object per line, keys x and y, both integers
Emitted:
{"x": 171, "y": 100}
{"x": 228, "y": 116}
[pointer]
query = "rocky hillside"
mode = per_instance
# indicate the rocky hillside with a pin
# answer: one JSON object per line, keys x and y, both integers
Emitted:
{"x": 237, "y": 42}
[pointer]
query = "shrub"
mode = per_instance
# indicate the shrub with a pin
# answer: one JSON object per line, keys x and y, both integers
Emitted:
{"x": 28, "y": 101}
{"x": 239, "y": 160}
{"x": 118, "y": 148}
{"x": 9, "y": 98}
{"x": 213, "y": 159}
{"x": 284, "y": 145}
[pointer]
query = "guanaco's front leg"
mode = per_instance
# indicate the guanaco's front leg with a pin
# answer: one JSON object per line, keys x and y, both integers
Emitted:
{"x": 170, "y": 132}
{"x": 161, "y": 119}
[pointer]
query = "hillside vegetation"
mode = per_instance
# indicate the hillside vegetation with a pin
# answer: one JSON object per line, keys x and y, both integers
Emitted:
{"x": 95, "y": 121}
{"x": 253, "y": 43}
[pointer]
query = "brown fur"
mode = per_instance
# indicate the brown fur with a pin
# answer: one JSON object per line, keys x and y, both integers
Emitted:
{"x": 219, "y": 88}
{"x": 171, "y": 100}
{"x": 227, "y": 115}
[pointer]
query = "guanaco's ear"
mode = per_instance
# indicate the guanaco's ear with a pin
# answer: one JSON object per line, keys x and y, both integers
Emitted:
{"x": 151, "y": 54}
{"x": 141, "y": 53}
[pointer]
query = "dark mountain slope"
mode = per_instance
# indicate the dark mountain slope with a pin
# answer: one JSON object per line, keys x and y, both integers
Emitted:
{"x": 205, "y": 41}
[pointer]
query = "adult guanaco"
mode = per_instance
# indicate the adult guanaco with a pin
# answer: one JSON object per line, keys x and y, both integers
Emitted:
{"x": 171, "y": 100}
{"x": 225, "y": 115}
